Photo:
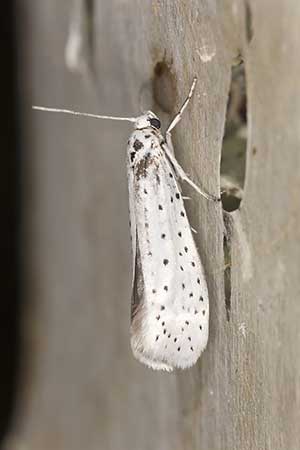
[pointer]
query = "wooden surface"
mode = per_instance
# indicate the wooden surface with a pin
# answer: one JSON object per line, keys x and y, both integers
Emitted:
{"x": 80, "y": 387}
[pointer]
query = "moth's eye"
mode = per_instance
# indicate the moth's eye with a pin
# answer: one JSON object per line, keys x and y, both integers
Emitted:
{"x": 155, "y": 123}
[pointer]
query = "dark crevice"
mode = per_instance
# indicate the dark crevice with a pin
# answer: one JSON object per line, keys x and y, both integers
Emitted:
{"x": 227, "y": 263}
{"x": 90, "y": 7}
{"x": 249, "y": 23}
{"x": 233, "y": 161}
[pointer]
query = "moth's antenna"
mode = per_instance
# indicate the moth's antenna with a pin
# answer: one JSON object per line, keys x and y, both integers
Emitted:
{"x": 77, "y": 113}
{"x": 177, "y": 118}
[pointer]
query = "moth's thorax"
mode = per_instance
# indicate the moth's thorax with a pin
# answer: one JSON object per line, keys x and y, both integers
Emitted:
{"x": 143, "y": 144}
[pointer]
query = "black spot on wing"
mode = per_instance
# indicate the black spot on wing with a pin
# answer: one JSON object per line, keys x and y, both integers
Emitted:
{"x": 137, "y": 145}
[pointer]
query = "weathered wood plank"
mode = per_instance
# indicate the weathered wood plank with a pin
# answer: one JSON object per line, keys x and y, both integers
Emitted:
{"x": 81, "y": 387}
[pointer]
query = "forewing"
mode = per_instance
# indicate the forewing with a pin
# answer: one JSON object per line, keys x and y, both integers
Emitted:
{"x": 170, "y": 313}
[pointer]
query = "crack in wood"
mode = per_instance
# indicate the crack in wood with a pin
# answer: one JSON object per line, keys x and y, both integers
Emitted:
{"x": 227, "y": 263}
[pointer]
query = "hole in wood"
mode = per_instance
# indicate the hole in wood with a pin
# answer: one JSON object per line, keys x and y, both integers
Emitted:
{"x": 164, "y": 86}
{"x": 233, "y": 161}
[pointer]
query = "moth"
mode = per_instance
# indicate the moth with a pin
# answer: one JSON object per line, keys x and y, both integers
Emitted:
{"x": 169, "y": 306}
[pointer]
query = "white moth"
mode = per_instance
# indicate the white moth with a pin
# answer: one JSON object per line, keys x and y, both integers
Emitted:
{"x": 169, "y": 308}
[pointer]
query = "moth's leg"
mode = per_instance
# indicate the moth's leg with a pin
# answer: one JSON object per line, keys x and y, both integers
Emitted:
{"x": 181, "y": 173}
{"x": 169, "y": 149}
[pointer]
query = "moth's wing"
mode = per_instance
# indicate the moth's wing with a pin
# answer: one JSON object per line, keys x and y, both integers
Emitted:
{"x": 132, "y": 219}
{"x": 153, "y": 364}
{"x": 137, "y": 295}
{"x": 138, "y": 299}
{"x": 170, "y": 321}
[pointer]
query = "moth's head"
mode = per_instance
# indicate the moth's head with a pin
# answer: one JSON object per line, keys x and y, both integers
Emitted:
{"x": 149, "y": 119}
